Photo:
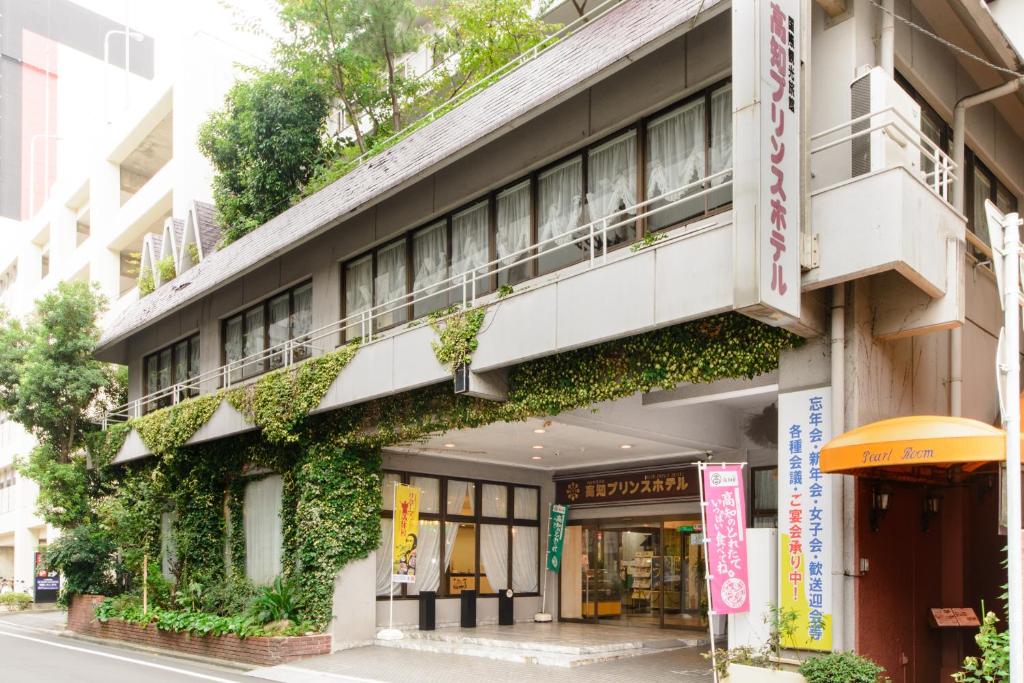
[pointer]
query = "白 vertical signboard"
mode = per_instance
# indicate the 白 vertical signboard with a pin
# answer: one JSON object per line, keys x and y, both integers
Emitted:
{"x": 406, "y": 533}
{"x": 767, "y": 186}
{"x": 805, "y": 513}
{"x": 725, "y": 528}
{"x": 556, "y": 535}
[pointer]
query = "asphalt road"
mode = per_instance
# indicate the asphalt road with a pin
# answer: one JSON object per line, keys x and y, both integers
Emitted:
{"x": 30, "y": 652}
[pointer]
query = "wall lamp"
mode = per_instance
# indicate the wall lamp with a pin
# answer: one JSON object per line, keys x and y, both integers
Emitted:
{"x": 932, "y": 505}
{"x": 879, "y": 505}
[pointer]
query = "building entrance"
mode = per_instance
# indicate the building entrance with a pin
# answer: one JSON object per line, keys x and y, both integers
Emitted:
{"x": 634, "y": 573}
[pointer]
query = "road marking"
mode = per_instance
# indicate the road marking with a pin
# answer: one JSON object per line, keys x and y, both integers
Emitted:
{"x": 140, "y": 662}
{"x": 281, "y": 673}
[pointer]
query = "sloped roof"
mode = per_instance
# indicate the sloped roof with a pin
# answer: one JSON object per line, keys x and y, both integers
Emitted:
{"x": 565, "y": 68}
{"x": 206, "y": 227}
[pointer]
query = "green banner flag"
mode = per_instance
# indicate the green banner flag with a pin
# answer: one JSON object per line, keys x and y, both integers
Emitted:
{"x": 556, "y": 534}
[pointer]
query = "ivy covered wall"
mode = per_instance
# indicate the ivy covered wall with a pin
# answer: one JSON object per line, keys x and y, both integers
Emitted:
{"x": 330, "y": 463}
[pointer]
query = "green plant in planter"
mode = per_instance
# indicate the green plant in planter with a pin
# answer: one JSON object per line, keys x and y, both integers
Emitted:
{"x": 146, "y": 283}
{"x": 841, "y": 667}
{"x": 193, "y": 253}
{"x": 15, "y": 601}
{"x": 165, "y": 267}
{"x": 781, "y": 627}
{"x": 276, "y": 602}
{"x": 456, "y": 334}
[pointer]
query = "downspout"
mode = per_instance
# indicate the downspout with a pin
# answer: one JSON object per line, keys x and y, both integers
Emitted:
{"x": 887, "y": 39}
{"x": 956, "y": 342}
{"x": 844, "y": 489}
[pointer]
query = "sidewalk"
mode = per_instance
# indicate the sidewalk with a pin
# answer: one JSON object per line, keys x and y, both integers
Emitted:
{"x": 375, "y": 664}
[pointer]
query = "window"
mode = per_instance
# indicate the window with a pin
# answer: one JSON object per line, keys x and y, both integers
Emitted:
{"x": 984, "y": 185}
{"x": 764, "y": 489}
{"x": 262, "y": 526}
{"x": 268, "y": 326}
{"x": 485, "y": 536}
{"x": 176, "y": 364}
{"x": 529, "y": 227}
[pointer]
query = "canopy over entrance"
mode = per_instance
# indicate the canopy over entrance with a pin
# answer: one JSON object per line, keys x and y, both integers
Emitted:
{"x": 914, "y": 446}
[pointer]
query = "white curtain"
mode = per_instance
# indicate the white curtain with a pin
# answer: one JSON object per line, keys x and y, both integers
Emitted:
{"x": 457, "y": 493}
{"x": 428, "y": 565}
{"x": 676, "y": 151}
{"x": 612, "y": 177}
{"x": 387, "y": 490}
{"x": 513, "y": 230}
{"x": 430, "y": 256}
{"x": 384, "y": 558}
{"x": 495, "y": 500}
{"x": 982, "y": 191}
{"x": 390, "y": 285}
{"x": 721, "y": 132}
{"x": 561, "y": 206}
{"x": 168, "y": 545}
{"x": 451, "y": 530}
{"x": 469, "y": 240}
{"x": 359, "y": 286}
{"x": 524, "y": 559}
{"x": 525, "y": 503}
{"x": 494, "y": 555}
{"x": 303, "y": 323}
{"x": 232, "y": 346}
{"x": 262, "y": 522}
{"x": 278, "y": 327}
{"x": 430, "y": 493}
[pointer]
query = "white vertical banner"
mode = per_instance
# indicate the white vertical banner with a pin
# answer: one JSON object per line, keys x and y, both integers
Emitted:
{"x": 767, "y": 190}
{"x": 806, "y": 542}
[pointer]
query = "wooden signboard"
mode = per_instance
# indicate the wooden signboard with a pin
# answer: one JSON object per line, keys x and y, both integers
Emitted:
{"x": 954, "y": 617}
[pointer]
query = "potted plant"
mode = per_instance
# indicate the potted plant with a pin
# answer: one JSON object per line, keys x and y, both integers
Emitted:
{"x": 759, "y": 665}
{"x": 841, "y": 667}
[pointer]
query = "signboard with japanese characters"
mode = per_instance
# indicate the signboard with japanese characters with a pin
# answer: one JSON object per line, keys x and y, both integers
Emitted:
{"x": 779, "y": 201}
{"x": 805, "y": 513}
{"x": 601, "y": 488}
{"x": 725, "y": 519}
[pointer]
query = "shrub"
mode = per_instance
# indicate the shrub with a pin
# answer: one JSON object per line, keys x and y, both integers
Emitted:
{"x": 15, "y": 601}
{"x": 276, "y": 602}
{"x": 165, "y": 267}
{"x": 85, "y": 556}
{"x": 840, "y": 667}
{"x": 146, "y": 283}
{"x": 994, "y": 663}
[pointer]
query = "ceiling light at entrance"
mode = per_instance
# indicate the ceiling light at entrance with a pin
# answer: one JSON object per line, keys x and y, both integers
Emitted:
{"x": 536, "y": 457}
{"x": 539, "y": 431}
{"x": 449, "y": 445}
{"x": 626, "y": 446}
{"x": 538, "y": 447}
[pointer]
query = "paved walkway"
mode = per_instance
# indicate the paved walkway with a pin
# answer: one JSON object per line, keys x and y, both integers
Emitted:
{"x": 376, "y": 664}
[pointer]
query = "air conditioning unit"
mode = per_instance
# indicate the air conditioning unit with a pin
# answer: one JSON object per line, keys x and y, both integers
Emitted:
{"x": 894, "y": 145}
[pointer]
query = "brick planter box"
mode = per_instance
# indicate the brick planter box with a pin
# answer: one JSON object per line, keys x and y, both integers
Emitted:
{"x": 263, "y": 651}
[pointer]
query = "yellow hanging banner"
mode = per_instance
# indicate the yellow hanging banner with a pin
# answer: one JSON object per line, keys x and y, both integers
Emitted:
{"x": 405, "y": 534}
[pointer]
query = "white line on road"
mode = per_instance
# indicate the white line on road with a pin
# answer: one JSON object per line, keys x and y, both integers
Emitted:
{"x": 140, "y": 662}
{"x": 287, "y": 674}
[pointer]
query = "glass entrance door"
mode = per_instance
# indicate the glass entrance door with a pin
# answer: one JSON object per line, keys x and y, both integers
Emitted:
{"x": 684, "y": 592}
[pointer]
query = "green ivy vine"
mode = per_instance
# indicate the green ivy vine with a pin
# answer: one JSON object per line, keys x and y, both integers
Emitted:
{"x": 330, "y": 462}
{"x": 457, "y": 331}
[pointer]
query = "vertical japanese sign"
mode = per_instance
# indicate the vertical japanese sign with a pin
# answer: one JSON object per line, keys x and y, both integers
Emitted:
{"x": 406, "y": 532}
{"x": 556, "y": 535}
{"x": 805, "y": 509}
{"x": 725, "y": 528}
{"x": 779, "y": 192}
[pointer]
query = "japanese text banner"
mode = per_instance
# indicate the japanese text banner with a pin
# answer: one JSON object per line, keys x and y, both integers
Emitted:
{"x": 406, "y": 534}
{"x": 725, "y": 530}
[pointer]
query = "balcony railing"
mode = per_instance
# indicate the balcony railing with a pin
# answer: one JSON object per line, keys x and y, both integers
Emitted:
{"x": 938, "y": 170}
{"x": 464, "y": 288}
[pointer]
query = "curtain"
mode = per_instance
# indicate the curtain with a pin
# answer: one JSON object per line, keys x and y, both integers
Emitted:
{"x": 458, "y": 492}
{"x": 358, "y": 292}
{"x": 278, "y": 327}
{"x": 612, "y": 177}
{"x": 524, "y": 559}
{"x": 193, "y": 361}
{"x": 384, "y": 558}
{"x": 560, "y": 202}
{"x": 430, "y": 493}
{"x": 494, "y": 555}
{"x": 429, "y": 250}
{"x": 676, "y": 151}
{"x": 181, "y": 362}
{"x": 168, "y": 544}
{"x": 513, "y": 218}
{"x": 262, "y": 522}
{"x": 387, "y": 489}
{"x": 428, "y": 566}
{"x": 469, "y": 241}
{"x": 451, "y": 530}
{"x": 721, "y": 132}
{"x": 390, "y": 285}
{"x": 982, "y": 191}
{"x": 253, "y": 341}
{"x": 233, "y": 345}
{"x": 165, "y": 366}
{"x": 495, "y": 500}
{"x": 525, "y": 503}
{"x": 303, "y": 321}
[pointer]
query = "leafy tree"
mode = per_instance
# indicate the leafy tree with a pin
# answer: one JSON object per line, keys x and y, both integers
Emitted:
{"x": 85, "y": 556}
{"x": 264, "y": 145}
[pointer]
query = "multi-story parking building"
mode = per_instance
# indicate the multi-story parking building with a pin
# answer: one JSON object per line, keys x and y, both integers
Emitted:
{"x": 793, "y": 165}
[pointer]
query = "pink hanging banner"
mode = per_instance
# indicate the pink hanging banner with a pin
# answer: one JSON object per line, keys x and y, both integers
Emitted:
{"x": 725, "y": 527}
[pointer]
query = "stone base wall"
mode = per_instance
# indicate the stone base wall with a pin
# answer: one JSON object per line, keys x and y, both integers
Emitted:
{"x": 259, "y": 651}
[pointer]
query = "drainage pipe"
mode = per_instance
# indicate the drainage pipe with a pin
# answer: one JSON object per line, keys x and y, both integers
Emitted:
{"x": 887, "y": 39}
{"x": 844, "y": 564}
{"x": 956, "y": 343}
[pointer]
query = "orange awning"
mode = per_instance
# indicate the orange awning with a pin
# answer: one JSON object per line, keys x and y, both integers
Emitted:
{"x": 922, "y": 441}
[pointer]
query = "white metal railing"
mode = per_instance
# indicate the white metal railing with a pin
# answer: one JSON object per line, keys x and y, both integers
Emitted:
{"x": 591, "y": 238}
{"x": 891, "y": 122}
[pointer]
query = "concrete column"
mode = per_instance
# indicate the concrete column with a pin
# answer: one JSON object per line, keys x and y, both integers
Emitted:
{"x": 355, "y": 604}
{"x": 25, "y": 545}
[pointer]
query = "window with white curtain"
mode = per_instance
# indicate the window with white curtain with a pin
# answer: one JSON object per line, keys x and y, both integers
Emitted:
{"x": 390, "y": 289}
{"x": 302, "y": 320}
{"x": 676, "y": 162}
{"x": 559, "y": 214}
{"x": 358, "y": 294}
{"x": 611, "y": 188}
{"x": 268, "y": 325}
{"x": 173, "y": 365}
{"x": 262, "y": 524}
{"x": 430, "y": 268}
{"x": 278, "y": 328}
{"x": 721, "y": 146}
{"x": 512, "y": 233}
{"x": 471, "y": 249}
{"x": 480, "y": 538}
